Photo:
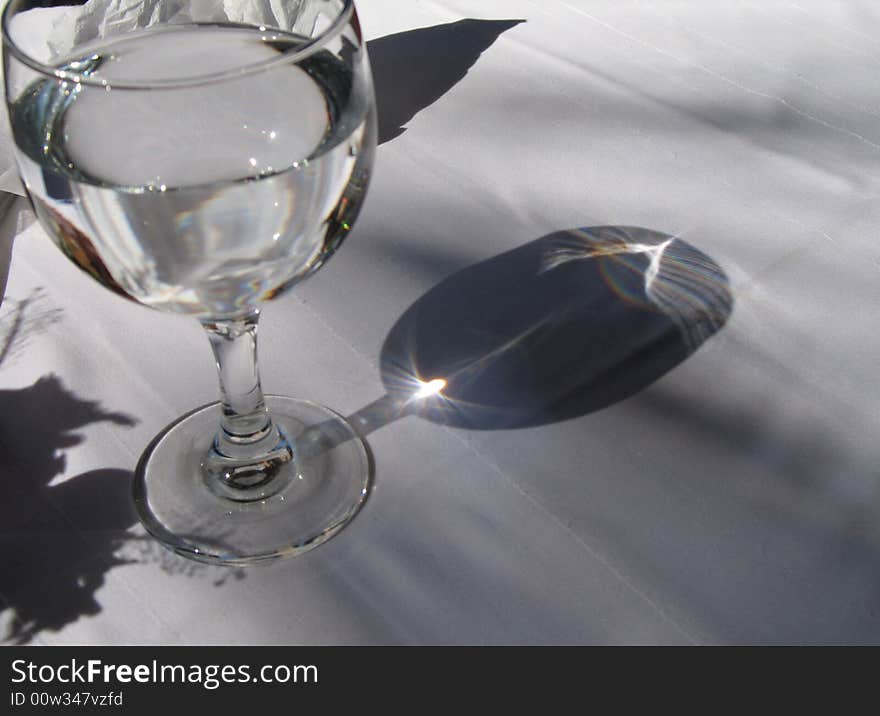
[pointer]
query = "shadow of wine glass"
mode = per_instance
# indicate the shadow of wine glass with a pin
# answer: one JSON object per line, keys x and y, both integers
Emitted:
{"x": 557, "y": 328}
{"x": 413, "y": 69}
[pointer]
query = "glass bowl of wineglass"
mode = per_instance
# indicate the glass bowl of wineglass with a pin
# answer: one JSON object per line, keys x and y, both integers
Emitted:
{"x": 200, "y": 158}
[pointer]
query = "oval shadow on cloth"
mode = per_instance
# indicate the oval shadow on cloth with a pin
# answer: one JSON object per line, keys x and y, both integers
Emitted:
{"x": 557, "y": 328}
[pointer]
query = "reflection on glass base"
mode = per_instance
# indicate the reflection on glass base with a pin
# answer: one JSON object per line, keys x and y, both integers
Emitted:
{"x": 329, "y": 480}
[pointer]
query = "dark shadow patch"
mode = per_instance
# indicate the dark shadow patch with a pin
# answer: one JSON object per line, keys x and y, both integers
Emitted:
{"x": 57, "y": 542}
{"x": 413, "y": 69}
{"x": 560, "y": 327}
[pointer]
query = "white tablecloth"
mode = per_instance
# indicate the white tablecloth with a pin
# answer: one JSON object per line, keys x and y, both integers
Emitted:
{"x": 711, "y": 474}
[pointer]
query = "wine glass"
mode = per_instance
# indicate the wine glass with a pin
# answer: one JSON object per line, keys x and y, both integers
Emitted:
{"x": 201, "y": 157}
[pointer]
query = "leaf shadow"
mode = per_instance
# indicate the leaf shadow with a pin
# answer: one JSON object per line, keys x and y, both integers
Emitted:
{"x": 57, "y": 540}
{"x": 413, "y": 69}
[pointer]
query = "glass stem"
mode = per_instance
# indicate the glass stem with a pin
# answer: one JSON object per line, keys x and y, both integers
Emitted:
{"x": 246, "y": 419}
{"x": 248, "y": 449}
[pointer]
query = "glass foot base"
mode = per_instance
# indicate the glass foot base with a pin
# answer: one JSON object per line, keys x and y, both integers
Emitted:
{"x": 324, "y": 487}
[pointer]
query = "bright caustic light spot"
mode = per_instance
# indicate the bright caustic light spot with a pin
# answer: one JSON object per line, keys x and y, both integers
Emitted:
{"x": 432, "y": 387}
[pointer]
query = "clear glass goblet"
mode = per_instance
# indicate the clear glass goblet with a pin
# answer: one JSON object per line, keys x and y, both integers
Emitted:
{"x": 201, "y": 157}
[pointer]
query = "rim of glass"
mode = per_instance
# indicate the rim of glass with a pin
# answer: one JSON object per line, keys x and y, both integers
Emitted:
{"x": 331, "y": 31}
